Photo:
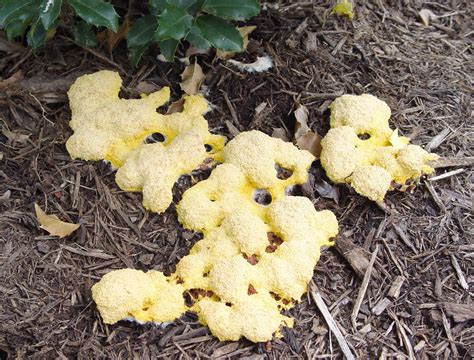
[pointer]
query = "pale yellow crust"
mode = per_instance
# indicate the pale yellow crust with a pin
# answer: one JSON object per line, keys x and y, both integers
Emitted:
{"x": 371, "y": 166}
{"x": 106, "y": 127}
{"x": 241, "y": 278}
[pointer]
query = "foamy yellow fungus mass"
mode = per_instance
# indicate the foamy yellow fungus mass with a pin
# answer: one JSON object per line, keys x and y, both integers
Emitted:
{"x": 259, "y": 246}
{"x": 362, "y": 150}
{"x": 113, "y": 129}
{"x": 255, "y": 259}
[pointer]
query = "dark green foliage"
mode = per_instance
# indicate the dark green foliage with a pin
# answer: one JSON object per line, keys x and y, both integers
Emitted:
{"x": 203, "y": 23}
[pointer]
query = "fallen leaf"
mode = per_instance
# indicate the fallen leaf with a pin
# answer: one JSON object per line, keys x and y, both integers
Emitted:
{"x": 193, "y": 50}
{"x": 311, "y": 142}
{"x": 113, "y": 38}
{"x": 5, "y": 196}
{"x": 244, "y": 31}
{"x": 301, "y": 126}
{"x": 232, "y": 129}
{"x": 425, "y": 16}
{"x": 304, "y": 137}
{"x": 280, "y": 133}
{"x": 146, "y": 87}
{"x": 53, "y": 225}
{"x": 175, "y": 107}
{"x": 326, "y": 190}
{"x": 343, "y": 8}
{"x": 14, "y": 136}
{"x": 17, "y": 76}
{"x": 192, "y": 77}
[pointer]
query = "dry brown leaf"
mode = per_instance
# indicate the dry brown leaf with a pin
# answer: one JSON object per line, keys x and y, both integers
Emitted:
{"x": 111, "y": 38}
{"x": 192, "y": 77}
{"x": 281, "y": 133}
{"x": 244, "y": 31}
{"x": 53, "y": 225}
{"x": 192, "y": 50}
{"x": 14, "y": 136}
{"x": 305, "y": 138}
{"x": 326, "y": 190}
{"x": 146, "y": 87}
{"x": 17, "y": 76}
{"x": 175, "y": 107}
{"x": 425, "y": 16}
{"x": 311, "y": 142}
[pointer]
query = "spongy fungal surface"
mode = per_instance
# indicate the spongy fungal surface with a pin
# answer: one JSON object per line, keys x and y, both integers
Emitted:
{"x": 129, "y": 293}
{"x": 113, "y": 129}
{"x": 362, "y": 150}
{"x": 105, "y": 126}
{"x": 255, "y": 259}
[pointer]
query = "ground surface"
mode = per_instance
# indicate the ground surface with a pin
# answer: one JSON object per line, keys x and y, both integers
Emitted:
{"x": 422, "y": 73}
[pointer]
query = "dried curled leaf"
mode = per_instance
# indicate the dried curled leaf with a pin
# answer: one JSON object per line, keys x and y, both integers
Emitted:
{"x": 53, "y": 225}
{"x": 425, "y": 16}
{"x": 15, "y": 136}
{"x": 304, "y": 137}
{"x": 192, "y": 77}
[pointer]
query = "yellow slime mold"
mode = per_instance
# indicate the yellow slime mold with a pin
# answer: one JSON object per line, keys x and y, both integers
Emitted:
{"x": 360, "y": 148}
{"x": 254, "y": 260}
{"x": 113, "y": 129}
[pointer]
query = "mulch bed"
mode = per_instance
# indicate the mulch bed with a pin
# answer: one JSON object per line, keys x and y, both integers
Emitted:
{"x": 423, "y": 238}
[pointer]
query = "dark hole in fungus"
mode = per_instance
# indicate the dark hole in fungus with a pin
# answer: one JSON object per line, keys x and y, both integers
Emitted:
{"x": 262, "y": 197}
{"x": 395, "y": 185}
{"x": 155, "y": 138}
{"x": 364, "y": 136}
{"x": 228, "y": 304}
{"x": 188, "y": 300}
{"x": 274, "y": 241}
{"x": 251, "y": 290}
{"x": 252, "y": 259}
{"x": 208, "y": 147}
{"x": 196, "y": 293}
{"x": 283, "y": 173}
{"x": 275, "y": 296}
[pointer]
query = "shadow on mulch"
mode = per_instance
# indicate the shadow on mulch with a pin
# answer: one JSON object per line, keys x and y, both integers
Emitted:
{"x": 423, "y": 237}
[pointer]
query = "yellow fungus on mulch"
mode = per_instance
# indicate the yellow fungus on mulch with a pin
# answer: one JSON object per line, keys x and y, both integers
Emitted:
{"x": 255, "y": 260}
{"x": 106, "y": 127}
{"x": 362, "y": 150}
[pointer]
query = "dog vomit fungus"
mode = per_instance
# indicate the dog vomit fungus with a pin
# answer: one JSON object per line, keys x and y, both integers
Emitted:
{"x": 360, "y": 148}
{"x": 106, "y": 127}
{"x": 255, "y": 259}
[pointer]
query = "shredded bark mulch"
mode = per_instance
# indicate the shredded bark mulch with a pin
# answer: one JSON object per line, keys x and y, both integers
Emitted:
{"x": 397, "y": 285}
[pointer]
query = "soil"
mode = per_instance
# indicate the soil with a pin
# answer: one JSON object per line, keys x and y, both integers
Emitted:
{"x": 422, "y": 237}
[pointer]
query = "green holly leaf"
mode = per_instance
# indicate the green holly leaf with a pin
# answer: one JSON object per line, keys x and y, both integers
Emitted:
{"x": 49, "y": 12}
{"x": 236, "y": 10}
{"x": 135, "y": 53}
{"x": 96, "y": 12}
{"x": 168, "y": 48}
{"x": 219, "y": 33}
{"x": 159, "y": 4}
{"x": 142, "y": 31}
{"x": 174, "y": 24}
{"x": 36, "y": 35}
{"x": 196, "y": 38}
{"x": 182, "y": 3}
{"x": 84, "y": 34}
{"x": 12, "y": 9}
{"x": 17, "y": 28}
